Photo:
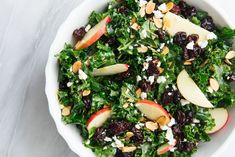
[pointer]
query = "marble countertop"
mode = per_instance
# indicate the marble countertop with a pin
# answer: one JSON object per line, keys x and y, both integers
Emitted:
{"x": 27, "y": 29}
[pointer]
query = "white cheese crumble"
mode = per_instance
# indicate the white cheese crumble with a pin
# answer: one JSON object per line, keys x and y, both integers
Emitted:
{"x": 170, "y": 136}
{"x": 184, "y": 102}
{"x": 88, "y": 27}
{"x": 161, "y": 79}
{"x": 159, "y": 64}
{"x": 131, "y": 47}
{"x": 143, "y": 95}
{"x": 174, "y": 87}
{"x": 172, "y": 122}
{"x": 190, "y": 45}
{"x": 164, "y": 127}
{"x": 107, "y": 139}
{"x": 162, "y": 7}
{"x": 143, "y": 34}
{"x": 158, "y": 14}
{"x": 151, "y": 79}
{"x": 173, "y": 149}
{"x": 211, "y": 36}
{"x": 69, "y": 84}
{"x": 196, "y": 120}
{"x": 203, "y": 44}
{"x": 149, "y": 58}
{"x": 162, "y": 45}
{"x": 117, "y": 142}
{"x": 138, "y": 78}
{"x": 142, "y": 3}
{"x": 82, "y": 75}
{"x": 88, "y": 142}
{"x": 137, "y": 126}
{"x": 145, "y": 66}
{"x": 210, "y": 90}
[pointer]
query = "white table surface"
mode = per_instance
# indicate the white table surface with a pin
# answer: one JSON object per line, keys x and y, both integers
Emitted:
{"x": 27, "y": 28}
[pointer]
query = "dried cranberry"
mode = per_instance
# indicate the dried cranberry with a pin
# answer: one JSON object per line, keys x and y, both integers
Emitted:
{"x": 180, "y": 117}
{"x": 180, "y": 38}
{"x": 123, "y": 76}
{"x": 193, "y": 37}
{"x": 99, "y": 136}
{"x": 87, "y": 100}
{"x": 119, "y": 153}
{"x": 145, "y": 86}
{"x": 186, "y": 146}
{"x": 177, "y": 97}
{"x": 63, "y": 85}
{"x": 183, "y": 6}
{"x": 123, "y": 10}
{"x": 167, "y": 97}
{"x": 208, "y": 23}
{"x": 176, "y": 129}
{"x": 197, "y": 51}
{"x": 111, "y": 41}
{"x": 189, "y": 12}
{"x": 175, "y": 9}
{"x": 138, "y": 136}
{"x": 186, "y": 54}
{"x": 161, "y": 34}
{"x": 118, "y": 127}
{"x": 79, "y": 33}
{"x": 230, "y": 77}
{"x": 189, "y": 117}
{"x": 152, "y": 68}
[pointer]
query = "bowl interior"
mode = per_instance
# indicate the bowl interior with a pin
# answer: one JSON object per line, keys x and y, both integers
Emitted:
{"x": 79, "y": 17}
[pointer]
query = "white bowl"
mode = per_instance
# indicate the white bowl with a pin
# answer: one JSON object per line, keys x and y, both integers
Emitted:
{"x": 79, "y": 17}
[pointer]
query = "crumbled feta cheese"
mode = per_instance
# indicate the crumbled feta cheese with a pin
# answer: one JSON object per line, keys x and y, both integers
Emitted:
{"x": 88, "y": 142}
{"x": 211, "y": 36}
{"x": 82, "y": 75}
{"x": 143, "y": 95}
{"x": 210, "y": 90}
{"x": 105, "y": 147}
{"x": 174, "y": 87}
{"x": 149, "y": 58}
{"x": 158, "y": 14}
{"x": 190, "y": 45}
{"x": 131, "y": 47}
{"x": 142, "y": 3}
{"x": 69, "y": 84}
{"x": 151, "y": 79}
{"x": 71, "y": 69}
{"x": 118, "y": 143}
{"x": 162, "y": 7}
{"x": 164, "y": 127}
{"x": 170, "y": 136}
{"x": 145, "y": 66}
{"x": 196, "y": 120}
{"x": 137, "y": 126}
{"x": 138, "y": 78}
{"x": 107, "y": 139}
{"x": 88, "y": 27}
{"x": 158, "y": 50}
{"x": 149, "y": 139}
{"x": 135, "y": 112}
{"x": 113, "y": 145}
{"x": 143, "y": 34}
{"x": 203, "y": 44}
{"x": 145, "y": 77}
{"x": 159, "y": 64}
{"x": 162, "y": 45}
{"x": 173, "y": 149}
{"x": 161, "y": 79}
{"x": 185, "y": 140}
{"x": 184, "y": 102}
{"x": 171, "y": 40}
{"x": 172, "y": 122}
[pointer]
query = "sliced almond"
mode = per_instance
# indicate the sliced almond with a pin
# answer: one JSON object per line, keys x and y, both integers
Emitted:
{"x": 129, "y": 135}
{"x": 62, "y": 106}
{"x": 133, "y": 20}
{"x": 135, "y": 26}
{"x": 169, "y": 6}
{"x": 87, "y": 62}
{"x": 165, "y": 50}
{"x": 125, "y": 105}
{"x": 160, "y": 69}
{"x": 158, "y": 22}
{"x": 76, "y": 66}
{"x": 66, "y": 110}
{"x": 128, "y": 149}
{"x": 230, "y": 55}
{"x": 228, "y": 62}
{"x": 138, "y": 92}
{"x": 142, "y": 49}
{"x": 214, "y": 84}
{"x": 86, "y": 92}
{"x": 204, "y": 63}
{"x": 142, "y": 11}
{"x": 187, "y": 63}
{"x": 130, "y": 100}
{"x": 151, "y": 125}
{"x": 162, "y": 121}
{"x": 150, "y": 7}
{"x": 166, "y": 24}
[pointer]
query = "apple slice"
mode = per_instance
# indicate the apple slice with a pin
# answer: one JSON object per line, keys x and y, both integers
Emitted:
{"x": 93, "y": 34}
{"x": 98, "y": 118}
{"x": 220, "y": 115}
{"x": 175, "y": 23}
{"x": 111, "y": 70}
{"x": 164, "y": 148}
{"x": 190, "y": 91}
{"x": 152, "y": 110}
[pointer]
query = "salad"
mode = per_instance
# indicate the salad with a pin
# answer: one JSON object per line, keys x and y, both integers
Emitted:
{"x": 147, "y": 79}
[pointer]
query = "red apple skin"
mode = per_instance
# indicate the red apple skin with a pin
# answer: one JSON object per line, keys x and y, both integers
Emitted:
{"x": 94, "y": 115}
{"x": 84, "y": 44}
{"x": 166, "y": 149}
{"x": 157, "y": 105}
{"x": 225, "y": 124}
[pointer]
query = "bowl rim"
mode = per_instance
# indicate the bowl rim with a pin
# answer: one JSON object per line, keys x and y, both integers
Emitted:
{"x": 221, "y": 12}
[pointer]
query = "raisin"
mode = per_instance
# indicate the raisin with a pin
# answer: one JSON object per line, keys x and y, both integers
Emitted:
{"x": 177, "y": 97}
{"x": 180, "y": 117}
{"x": 193, "y": 37}
{"x": 161, "y": 34}
{"x": 145, "y": 86}
{"x": 123, "y": 76}
{"x": 99, "y": 136}
{"x": 87, "y": 100}
{"x": 190, "y": 11}
{"x": 208, "y": 23}
{"x": 123, "y": 10}
{"x": 167, "y": 97}
{"x": 112, "y": 41}
{"x": 186, "y": 146}
{"x": 119, "y": 153}
{"x": 183, "y": 6}
{"x": 180, "y": 38}
{"x": 197, "y": 51}
{"x": 79, "y": 33}
{"x": 230, "y": 77}
{"x": 118, "y": 127}
{"x": 186, "y": 54}
{"x": 175, "y": 9}
{"x": 138, "y": 136}
{"x": 189, "y": 117}
{"x": 152, "y": 68}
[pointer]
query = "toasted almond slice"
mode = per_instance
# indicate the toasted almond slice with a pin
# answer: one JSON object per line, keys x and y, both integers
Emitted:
{"x": 128, "y": 149}
{"x": 76, "y": 66}
{"x": 165, "y": 50}
{"x": 166, "y": 24}
{"x": 158, "y": 22}
{"x": 138, "y": 92}
{"x": 187, "y": 63}
{"x": 204, "y": 63}
{"x": 160, "y": 69}
{"x": 129, "y": 135}
{"x": 66, "y": 110}
{"x": 130, "y": 100}
{"x": 214, "y": 84}
{"x": 125, "y": 105}
{"x": 162, "y": 121}
{"x": 87, "y": 62}
{"x": 143, "y": 119}
{"x": 62, "y": 106}
{"x": 133, "y": 20}
{"x": 150, "y": 7}
{"x": 135, "y": 26}
{"x": 169, "y": 6}
{"x": 86, "y": 92}
{"x": 151, "y": 125}
{"x": 230, "y": 55}
{"x": 142, "y": 49}
{"x": 228, "y": 62}
{"x": 142, "y": 11}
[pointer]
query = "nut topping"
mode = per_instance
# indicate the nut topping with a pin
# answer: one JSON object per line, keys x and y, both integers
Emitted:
{"x": 66, "y": 110}
{"x": 76, "y": 66}
{"x": 214, "y": 84}
{"x": 151, "y": 125}
{"x": 128, "y": 149}
{"x": 150, "y": 7}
